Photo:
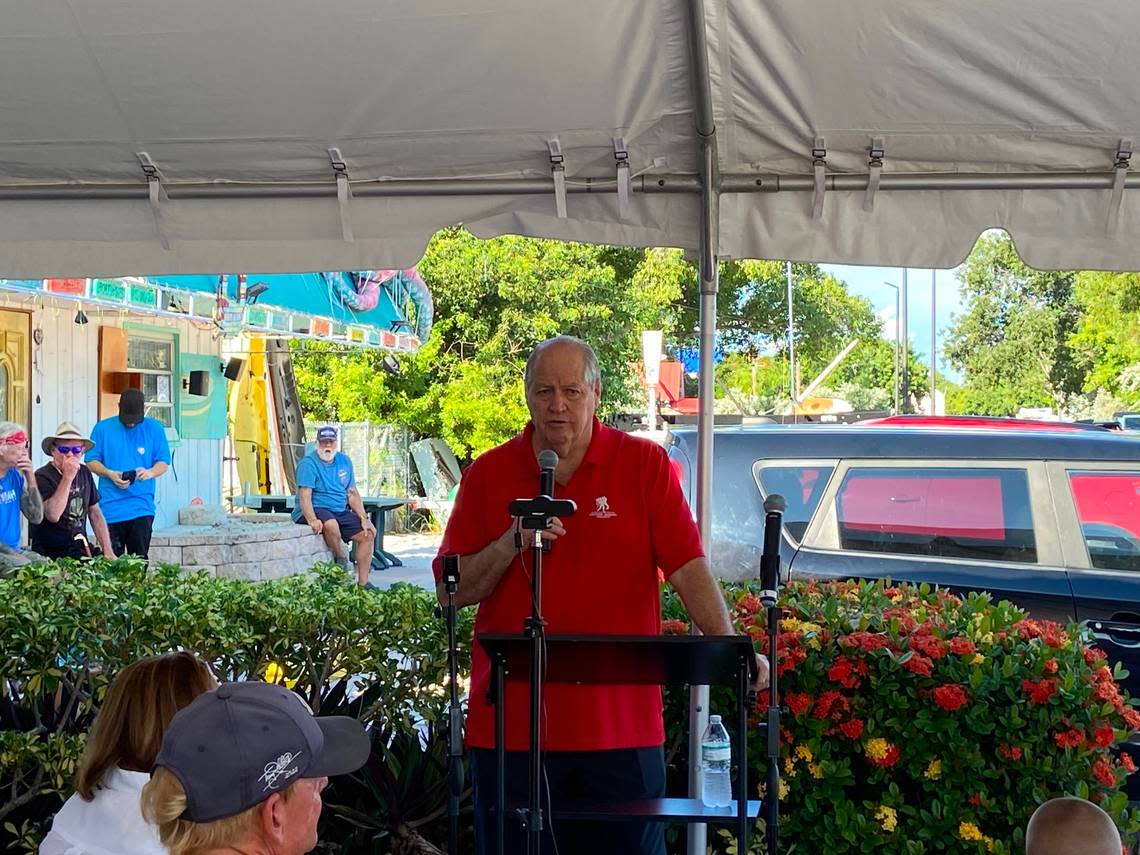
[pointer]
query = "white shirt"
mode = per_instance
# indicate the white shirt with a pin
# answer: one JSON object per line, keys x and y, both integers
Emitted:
{"x": 110, "y": 824}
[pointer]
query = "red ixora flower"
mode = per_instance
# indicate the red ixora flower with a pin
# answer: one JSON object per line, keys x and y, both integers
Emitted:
{"x": 1102, "y": 770}
{"x": 1127, "y": 762}
{"x": 951, "y": 697}
{"x": 1039, "y": 691}
{"x": 1131, "y": 718}
{"x": 863, "y": 640}
{"x": 919, "y": 664}
{"x": 1103, "y": 736}
{"x": 1051, "y": 666}
{"x": 975, "y": 799}
{"x": 1010, "y": 752}
{"x": 674, "y": 627}
{"x": 1092, "y": 655}
{"x": 798, "y": 702}
{"x": 830, "y": 704}
{"x": 852, "y": 729}
{"x": 960, "y": 646}
{"x": 1072, "y": 738}
{"x": 846, "y": 672}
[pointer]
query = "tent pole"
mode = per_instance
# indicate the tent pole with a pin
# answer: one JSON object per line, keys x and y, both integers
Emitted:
{"x": 707, "y": 274}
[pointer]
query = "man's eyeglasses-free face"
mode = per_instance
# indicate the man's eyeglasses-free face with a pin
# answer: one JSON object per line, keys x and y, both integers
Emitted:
{"x": 69, "y": 449}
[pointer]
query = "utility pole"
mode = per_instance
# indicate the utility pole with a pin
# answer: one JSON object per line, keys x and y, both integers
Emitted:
{"x": 791, "y": 340}
{"x": 933, "y": 339}
{"x": 895, "y": 387}
{"x": 905, "y": 346}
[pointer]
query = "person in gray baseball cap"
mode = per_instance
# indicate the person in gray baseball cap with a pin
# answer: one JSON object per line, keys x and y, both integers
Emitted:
{"x": 241, "y": 770}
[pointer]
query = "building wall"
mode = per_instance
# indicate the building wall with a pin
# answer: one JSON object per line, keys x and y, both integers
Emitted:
{"x": 65, "y": 376}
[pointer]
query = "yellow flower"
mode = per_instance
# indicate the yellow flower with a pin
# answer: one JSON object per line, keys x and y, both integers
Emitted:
{"x": 804, "y": 753}
{"x": 790, "y": 767}
{"x": 934, "y": 770}
{"x": 888, "y": 817}
{"x": 969, "y": 831}
{"x": 789, "y": 624}
{"x": 816, "y": 770}
{"x": 877, "y": 748}
{"x": 809, "y": 627}
{"x": 989, "y": 841}
{"x": 783, "y": 789}
{"x": 988, "y": 638}
{"x": 978, "y": 659}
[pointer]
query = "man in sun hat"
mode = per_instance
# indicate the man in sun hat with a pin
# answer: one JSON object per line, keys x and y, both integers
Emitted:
{"x": 130, "y": 451}
{"x": 329, "y": 503}
{"x": 241, "y": 769}
{"x": 18, "y": 495}
{"x": 70, "y": 499}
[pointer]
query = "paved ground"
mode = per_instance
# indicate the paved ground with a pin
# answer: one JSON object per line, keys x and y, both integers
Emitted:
{"x": 416, "y": 552}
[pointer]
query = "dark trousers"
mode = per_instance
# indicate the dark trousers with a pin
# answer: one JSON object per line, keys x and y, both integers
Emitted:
{"x": 132, "y": 537}
{"x": 596, "y": 776}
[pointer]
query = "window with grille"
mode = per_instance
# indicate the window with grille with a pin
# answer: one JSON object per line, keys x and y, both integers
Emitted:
{"x": 153, "y": 358}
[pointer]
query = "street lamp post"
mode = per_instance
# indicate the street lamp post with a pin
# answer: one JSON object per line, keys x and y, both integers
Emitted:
{"x": 897, "y": 348}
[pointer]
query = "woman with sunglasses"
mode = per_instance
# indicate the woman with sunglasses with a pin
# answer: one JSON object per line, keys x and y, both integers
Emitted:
{"x": 70, "y": 499}
{"x": 18, "y": 495}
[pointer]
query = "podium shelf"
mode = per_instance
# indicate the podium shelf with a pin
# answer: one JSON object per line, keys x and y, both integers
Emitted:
{"x": 668, "y": 809}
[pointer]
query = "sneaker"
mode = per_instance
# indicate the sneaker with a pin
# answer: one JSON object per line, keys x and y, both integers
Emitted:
{"x": 342, "y": 562}
{"x": 368, "y": 586}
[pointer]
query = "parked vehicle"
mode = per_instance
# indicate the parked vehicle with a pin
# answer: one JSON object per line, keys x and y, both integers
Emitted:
{"x": 1049, "y": 520}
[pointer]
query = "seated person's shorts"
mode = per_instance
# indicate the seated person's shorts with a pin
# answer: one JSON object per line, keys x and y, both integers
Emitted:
{"x": 348, "y": 521}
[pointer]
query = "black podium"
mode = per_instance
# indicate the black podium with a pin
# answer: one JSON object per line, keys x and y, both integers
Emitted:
{"x": 641, "y": 659}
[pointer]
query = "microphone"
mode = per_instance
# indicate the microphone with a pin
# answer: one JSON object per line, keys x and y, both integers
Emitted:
{"x": 547, "y": 463}
{"x": 770, "y": 558}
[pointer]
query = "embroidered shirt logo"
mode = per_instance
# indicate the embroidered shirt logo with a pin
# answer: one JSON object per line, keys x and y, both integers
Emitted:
{"x": 278, "y": 769}
{"x": 602, "y": 511}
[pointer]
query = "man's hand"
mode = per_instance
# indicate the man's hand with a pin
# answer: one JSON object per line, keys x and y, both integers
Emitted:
{"x": 70, "y": 467}
{"x": 316, "y": 525}
{"x": 763, "y": 673}
{"x": 366, "y": 525}
{"x": 142, "y": 474}
{"x": 24, "y": 466}
{"x": 118, "y": 480}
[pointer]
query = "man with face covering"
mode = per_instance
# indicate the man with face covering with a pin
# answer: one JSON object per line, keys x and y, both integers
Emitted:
{"x": 329, "y": 503}
{"x": 130, "y": 452}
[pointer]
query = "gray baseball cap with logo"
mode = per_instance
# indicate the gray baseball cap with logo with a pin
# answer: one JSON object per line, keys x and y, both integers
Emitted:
{"x": 234, "y": 747}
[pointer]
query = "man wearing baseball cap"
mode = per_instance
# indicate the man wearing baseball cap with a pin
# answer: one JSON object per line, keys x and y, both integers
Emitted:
{"x": 130, "y": 451}
{"x": 329, "y": 503}
{"x": 241, "y": 769}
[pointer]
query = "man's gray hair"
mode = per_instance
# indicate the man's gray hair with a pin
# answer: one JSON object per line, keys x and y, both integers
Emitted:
{"x": 591, "y": 374}
{"x": 9, "y": 428}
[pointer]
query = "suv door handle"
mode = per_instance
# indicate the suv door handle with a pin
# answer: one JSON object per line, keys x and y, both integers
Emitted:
{"x": 906, "y": 499}
{"x": 1121, "y": 632}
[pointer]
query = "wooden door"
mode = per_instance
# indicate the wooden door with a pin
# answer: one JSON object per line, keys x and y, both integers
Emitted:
{"x": 15, "y": 361}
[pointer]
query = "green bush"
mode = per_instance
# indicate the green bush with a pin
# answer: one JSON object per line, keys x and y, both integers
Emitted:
{"x": 66, "y": 629}
{"x": 917, "y": 721}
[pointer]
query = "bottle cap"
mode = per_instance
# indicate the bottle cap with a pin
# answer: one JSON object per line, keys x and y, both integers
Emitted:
{"x": 714, "y": 719}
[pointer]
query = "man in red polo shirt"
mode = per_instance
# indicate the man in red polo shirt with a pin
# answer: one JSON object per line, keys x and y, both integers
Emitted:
{"x": 602, "y": 742}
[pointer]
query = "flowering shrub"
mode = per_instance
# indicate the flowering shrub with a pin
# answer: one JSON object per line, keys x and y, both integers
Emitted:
{"x": 917, "y": 721}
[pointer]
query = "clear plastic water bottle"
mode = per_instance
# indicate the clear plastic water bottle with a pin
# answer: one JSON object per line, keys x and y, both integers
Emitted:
{"x": 716, "y": 759}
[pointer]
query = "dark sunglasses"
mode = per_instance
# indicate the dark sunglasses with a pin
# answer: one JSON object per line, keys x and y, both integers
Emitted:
{"x": 69, "y": 449}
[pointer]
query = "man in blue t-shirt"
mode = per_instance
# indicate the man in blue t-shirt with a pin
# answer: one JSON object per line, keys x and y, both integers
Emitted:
{"x": 18, "y": 495}
{"x": 329, "y": 503}
{"x": 130, "y": 452}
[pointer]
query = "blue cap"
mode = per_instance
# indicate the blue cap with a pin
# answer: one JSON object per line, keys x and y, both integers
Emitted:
{"x": 325, "y": 433}
{"x": 234, "y": 747}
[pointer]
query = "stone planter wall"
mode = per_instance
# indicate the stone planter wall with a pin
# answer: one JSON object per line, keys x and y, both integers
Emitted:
{"x": 240, "y": 548}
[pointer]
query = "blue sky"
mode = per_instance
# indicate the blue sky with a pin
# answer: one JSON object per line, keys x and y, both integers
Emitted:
{"x": 868, "y": 282}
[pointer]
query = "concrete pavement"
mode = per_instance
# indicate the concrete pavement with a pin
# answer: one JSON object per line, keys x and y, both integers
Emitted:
{"x": 416, "y": 551}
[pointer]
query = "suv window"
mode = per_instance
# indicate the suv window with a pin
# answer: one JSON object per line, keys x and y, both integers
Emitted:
{"x": 950, "y": 513}
{"x": 1108, "y": 506}
{"x": 802, "y": 487}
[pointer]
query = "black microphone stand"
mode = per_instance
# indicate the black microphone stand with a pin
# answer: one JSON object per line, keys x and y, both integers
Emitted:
{"x": 450, "y": 579}
{"x": 535, "y": 515}
{"x": 769, "y": 595}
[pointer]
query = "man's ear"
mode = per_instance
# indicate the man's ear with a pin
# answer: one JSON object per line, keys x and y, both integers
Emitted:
{"x": 271, "y": 816}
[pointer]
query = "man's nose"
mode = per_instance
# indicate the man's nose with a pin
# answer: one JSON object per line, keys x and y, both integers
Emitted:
{"x": 558, "y": 402}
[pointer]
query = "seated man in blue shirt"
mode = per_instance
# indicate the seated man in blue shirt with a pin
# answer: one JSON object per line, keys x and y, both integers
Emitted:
{"x": 329, "y": 503}
{"x": 18, "y": 495}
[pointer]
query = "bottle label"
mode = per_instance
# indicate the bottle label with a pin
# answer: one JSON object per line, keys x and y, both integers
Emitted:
{"x": 716, "y": 753}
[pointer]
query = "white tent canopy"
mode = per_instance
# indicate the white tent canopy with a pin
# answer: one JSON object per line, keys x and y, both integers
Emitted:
{"x": 1003, "y": 114}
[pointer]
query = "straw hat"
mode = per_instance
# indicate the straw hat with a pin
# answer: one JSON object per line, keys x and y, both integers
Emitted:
{"x": 66, "y": 431}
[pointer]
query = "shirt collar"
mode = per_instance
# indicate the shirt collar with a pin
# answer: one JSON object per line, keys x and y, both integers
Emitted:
{"x": 603, "y": 443}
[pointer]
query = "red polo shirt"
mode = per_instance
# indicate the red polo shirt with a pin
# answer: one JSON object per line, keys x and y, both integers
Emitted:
{"x": 599, "y": 579}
